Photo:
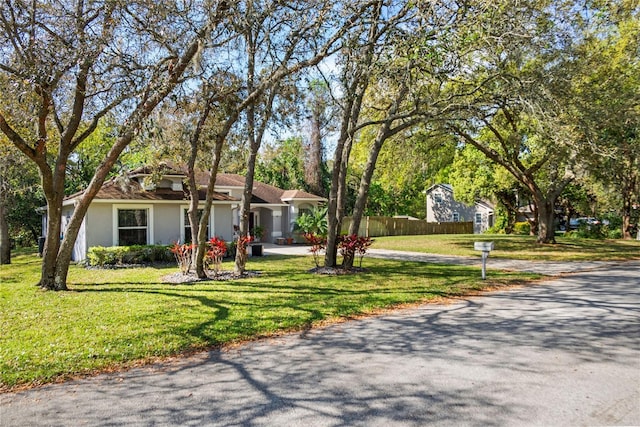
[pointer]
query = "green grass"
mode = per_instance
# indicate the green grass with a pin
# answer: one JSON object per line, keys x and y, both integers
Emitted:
{"x": 516, "y": 247}
{"x": 112, "y": 319}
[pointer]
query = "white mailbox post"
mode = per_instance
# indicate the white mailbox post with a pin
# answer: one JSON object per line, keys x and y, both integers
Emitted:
{"x": 485, "y": 247}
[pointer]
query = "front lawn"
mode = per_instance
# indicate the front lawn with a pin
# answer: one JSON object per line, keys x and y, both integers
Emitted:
{"x": 516, "y": 247}
{"x": 112, "y": 319}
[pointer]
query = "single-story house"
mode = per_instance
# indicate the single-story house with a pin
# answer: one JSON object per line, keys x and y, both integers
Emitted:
{"x": 138, "y": 210}
{"x": 442, "y": 207}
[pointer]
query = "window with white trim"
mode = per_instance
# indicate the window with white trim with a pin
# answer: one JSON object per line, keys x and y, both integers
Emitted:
{"x": 437, "y": 198}
{"x": 187, "y": 228}
{"x": 455, "y": 217}
{"x": 478, "y": 218}
{"x": 133, "y": 227}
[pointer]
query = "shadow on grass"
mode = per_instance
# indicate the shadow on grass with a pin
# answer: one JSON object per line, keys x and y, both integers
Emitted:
{"x": 404, "y": 369}
{"x": 248, "y": 307}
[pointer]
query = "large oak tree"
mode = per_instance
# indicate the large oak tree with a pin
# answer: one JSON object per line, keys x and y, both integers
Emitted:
{"x": 75, "y": 62}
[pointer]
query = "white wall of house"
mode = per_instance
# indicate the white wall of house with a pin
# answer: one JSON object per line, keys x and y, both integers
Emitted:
{"x": 166, "y": 224}
{"x": 276, "y": 223}
{"x": 98, "y": 225}
{"x": 284, "y": 221}
{"x": 223, "y": 221}
{"x": 80, "y": 245}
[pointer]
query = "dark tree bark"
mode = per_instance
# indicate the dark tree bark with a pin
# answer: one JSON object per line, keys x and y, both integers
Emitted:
{"x": 5, "y": 241}
{"x": 385, "y": 131}
{"x": 313, "y": 165}
{"x": 355, "y": 79}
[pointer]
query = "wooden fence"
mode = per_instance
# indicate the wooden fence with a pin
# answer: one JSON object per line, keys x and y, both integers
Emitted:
{"x": 375, "y": 226}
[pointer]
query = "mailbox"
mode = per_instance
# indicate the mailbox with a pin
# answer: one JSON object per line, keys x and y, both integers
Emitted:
{"x": 483, "y": 246}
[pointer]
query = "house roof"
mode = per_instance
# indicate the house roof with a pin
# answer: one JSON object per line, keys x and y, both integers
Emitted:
{"x": 299, "y": 195}
{"x": 484, "y": 203}
{"x": 447, "y": 187}
{"x": 262, "y": 193}
{"x": 132, "y": 190}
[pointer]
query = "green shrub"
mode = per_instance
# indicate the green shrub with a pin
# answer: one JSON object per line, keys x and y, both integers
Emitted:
{"x": 615, "y": 233}
{"x": 100, "y": 256}
{"x": 589, "y": 231}
{"x": 496, "y": 229}
{"x": 312, "y": 222}
{"x": 522, "y": 228}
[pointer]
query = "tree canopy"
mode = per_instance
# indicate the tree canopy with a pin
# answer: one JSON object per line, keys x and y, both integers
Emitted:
{"x": 392, "y": 95}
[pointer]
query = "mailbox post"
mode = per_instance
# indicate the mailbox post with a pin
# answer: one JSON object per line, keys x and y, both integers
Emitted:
{"x": 485, "y": 247}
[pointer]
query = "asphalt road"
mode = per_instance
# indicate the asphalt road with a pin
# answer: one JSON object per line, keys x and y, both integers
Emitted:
{"x": 565, "y": 353}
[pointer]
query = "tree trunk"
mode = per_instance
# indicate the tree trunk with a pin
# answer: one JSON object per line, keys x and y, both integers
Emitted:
{"x": 192, "y": 214}
{"x": 626, "y": 227}
{"x": 356, "y": 82}
{"x": 245, "y": 209}
{"x": 546, "y": 217}
{"x": 382, "y": 135}
{"x": 509, "y": 202}
{"x": 56, "y": 263}
{"x": 313, "y": 166}
{"x": 333, "y": 220}
{"x": 206, "y": 210}
{"x": 626, "y": 219}
{"x": 52, "y": 244}
{"x": 197, "y": 225}
{"x": 335, "y": 208}
{"x": 5, "y": 240}
{"x": 335, "y": 213}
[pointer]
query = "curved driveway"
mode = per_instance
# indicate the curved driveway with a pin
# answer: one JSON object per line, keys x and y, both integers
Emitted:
{"x": 549, "y": 268}
{"x": 566, "y": 352}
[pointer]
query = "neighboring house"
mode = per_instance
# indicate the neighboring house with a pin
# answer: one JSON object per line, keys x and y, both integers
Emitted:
{"x": 442, "y": 207}
{"x": 133, "y": 210}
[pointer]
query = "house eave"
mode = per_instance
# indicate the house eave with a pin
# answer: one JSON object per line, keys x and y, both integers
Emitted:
{"x": 268, "y": 205}
{"x": 304, "y": 199}
{"x": 156, "y": 201}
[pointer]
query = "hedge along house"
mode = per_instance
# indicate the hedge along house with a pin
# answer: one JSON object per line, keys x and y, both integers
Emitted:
{"x": 442, "y": 207}
{"x": 145, "y": 208}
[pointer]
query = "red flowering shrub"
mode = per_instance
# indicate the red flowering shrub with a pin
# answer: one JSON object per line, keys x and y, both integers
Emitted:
{"x": 184, "y": 255}
{"x": 217, "y": 248}
{"x": 318, "y": 243}
{"x": 352, "y": 244}
{"x": 241, "y": 247}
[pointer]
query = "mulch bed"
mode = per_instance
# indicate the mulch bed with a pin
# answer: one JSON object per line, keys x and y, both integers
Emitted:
{"x": 337, "y": 271}
{"x": 178, "y": 278}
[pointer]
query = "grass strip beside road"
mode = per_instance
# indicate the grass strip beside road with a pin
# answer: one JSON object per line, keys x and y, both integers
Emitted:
{"x": 516, "y": 247}
{"x": 112, "y": 319}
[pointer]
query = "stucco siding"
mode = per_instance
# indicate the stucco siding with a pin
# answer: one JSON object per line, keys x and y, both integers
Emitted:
{"x": 223, "y": 222}
{"x": 166, "y": 224}
{"x": 98, "y": 223}
{"x": 266, "y": 219}
{"x": 285, "y": 222}
{"x": 276, "y": 219}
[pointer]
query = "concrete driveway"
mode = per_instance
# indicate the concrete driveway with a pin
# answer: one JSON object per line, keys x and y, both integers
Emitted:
{"x": 549, "y": 268}
{"x": 566, "y": 352}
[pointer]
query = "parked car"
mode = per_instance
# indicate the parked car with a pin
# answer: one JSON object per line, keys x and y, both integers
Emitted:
{"x": 574, "y": 223}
